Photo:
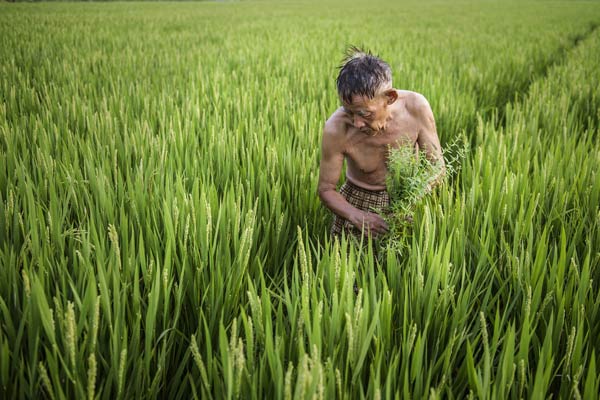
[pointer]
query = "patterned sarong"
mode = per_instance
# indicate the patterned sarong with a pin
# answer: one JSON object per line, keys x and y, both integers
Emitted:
{"x": 366, "y": 200}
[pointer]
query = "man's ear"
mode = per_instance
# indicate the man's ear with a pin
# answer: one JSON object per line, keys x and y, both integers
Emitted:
{"x": 391, "y": 95}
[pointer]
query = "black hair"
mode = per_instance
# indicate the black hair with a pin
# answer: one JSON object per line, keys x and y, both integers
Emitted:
{"x": 361, "y": 73}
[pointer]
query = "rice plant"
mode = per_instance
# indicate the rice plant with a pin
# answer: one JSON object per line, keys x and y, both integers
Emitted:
{"x": 161, "y": 236}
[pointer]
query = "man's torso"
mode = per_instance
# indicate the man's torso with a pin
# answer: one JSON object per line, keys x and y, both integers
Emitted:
{"x": 366, "y": 155}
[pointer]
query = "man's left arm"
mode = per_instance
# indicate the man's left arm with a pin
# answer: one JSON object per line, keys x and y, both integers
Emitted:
{"x": 428, "y": 141}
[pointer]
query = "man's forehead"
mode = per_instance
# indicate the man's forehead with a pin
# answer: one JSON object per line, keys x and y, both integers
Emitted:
{"x": 360, "y": 102}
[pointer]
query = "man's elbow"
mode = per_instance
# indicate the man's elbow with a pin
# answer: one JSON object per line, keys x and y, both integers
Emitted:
{"x": 322, "y": 192}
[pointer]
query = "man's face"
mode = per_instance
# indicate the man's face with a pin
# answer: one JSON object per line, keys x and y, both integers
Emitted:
{"x": 368, "y": 115}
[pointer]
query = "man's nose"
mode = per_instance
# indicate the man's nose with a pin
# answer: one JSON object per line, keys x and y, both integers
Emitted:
{"x": 358, "y": 122}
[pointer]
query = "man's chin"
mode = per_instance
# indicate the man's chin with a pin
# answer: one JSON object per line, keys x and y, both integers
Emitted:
{"x": 370, "y": 131}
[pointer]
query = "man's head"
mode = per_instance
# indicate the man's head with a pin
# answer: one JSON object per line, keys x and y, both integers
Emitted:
{"x": 364, "y": 85}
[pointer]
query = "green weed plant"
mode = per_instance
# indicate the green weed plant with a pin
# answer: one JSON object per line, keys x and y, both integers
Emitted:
{"x": 411, "y": 177}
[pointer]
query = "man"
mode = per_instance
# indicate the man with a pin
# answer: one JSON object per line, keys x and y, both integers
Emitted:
{"x": 373, "y": 118}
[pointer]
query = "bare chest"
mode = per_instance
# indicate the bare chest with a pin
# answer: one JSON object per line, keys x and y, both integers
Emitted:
{"x": 368, "y": 154}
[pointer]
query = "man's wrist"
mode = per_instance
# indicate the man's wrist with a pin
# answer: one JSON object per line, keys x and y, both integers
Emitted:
{"x": 356, "y": 217}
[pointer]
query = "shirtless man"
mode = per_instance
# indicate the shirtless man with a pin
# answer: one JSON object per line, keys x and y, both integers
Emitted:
{"x": 373, "y": 117}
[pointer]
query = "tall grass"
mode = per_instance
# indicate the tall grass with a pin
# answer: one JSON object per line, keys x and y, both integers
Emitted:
{"x": 160, "y": 233}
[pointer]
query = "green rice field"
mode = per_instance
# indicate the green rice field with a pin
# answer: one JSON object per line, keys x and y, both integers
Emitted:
{"x": 161, "y": 236}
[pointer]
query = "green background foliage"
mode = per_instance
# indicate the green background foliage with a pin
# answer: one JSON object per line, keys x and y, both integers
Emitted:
{"x": 161, "y": 236}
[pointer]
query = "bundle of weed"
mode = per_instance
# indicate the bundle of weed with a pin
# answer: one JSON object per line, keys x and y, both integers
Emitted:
{"x": 411, "y": 176}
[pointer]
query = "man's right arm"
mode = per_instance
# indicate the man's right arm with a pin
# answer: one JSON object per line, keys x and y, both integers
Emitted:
{"x": 332, "y": 161}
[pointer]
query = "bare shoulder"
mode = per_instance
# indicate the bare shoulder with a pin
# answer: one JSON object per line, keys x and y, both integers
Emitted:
{"x": 427, "y": 138}
{"x": 336, "y": 127}
{"x": 416, "y": 104}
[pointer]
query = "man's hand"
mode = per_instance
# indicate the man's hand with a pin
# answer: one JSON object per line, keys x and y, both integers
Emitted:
{"x": 369, "y": 222}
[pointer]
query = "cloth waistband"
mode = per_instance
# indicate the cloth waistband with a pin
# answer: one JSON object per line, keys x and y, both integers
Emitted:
{"x": 362, "y": 189}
